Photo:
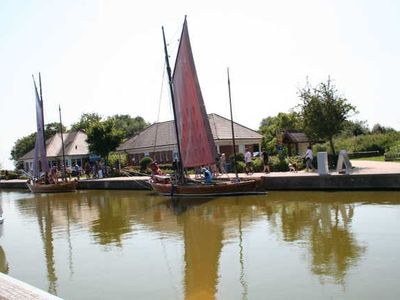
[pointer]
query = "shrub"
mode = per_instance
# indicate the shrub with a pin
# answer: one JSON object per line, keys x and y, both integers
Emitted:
{"x": 278, "y": 164}
{"x": 239, "y": 157}
{"x": 145, "y": 162}
{"x": 241, "y": 166}
{"x": 297, "y": 162}
{"x": 258, "y": 165}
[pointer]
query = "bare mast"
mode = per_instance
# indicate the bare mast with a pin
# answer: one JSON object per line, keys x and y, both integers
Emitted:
{"x": 179, "y": 164}
{"x": 62, "y": 144}
{"x": 233, "y": 131}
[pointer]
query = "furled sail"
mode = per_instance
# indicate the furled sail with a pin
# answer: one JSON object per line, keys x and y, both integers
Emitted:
{"x": 40, "y": 159}
{"x": 196, "y": 140}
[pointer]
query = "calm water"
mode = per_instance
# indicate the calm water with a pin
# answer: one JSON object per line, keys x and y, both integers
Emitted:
{"x": 125, "y": 245}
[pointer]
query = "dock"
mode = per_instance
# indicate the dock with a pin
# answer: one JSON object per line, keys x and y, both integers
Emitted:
{"x": 366, "y": 175}
{"x": 11, "y": 288}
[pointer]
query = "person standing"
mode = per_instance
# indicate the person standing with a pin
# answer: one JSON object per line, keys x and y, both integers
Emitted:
{"x": 309, "y": 158}
{"x": 222, "y": 162}
{"x": 247, "y": 160}
{"x": 265, "y": 160}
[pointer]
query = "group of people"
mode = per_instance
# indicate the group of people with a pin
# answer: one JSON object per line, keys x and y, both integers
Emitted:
{"x": 209, "y": 172}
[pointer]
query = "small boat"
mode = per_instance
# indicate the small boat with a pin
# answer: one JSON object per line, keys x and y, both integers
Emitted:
{"x": 60, "y": 187}
{"x": 195, "y": 144}
{"x": 40, "y": 164}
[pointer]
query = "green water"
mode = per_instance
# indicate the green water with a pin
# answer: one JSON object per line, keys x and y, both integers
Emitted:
{"x": 136, "y": 245}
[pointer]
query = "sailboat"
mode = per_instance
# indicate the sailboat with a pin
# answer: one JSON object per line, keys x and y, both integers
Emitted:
{"x": 38, "y": 183}
{"x": 195, "y": 143}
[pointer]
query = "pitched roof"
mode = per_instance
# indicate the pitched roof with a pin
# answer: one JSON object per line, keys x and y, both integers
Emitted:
{"x": 296, "y": 137}
{"x": 74, "y": 144}
{"x": 162, "y": 134}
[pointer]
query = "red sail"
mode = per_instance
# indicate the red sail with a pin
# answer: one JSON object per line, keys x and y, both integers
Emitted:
{"x": 196, "y": 140}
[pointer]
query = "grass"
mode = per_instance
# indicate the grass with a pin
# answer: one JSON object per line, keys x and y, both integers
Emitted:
{"x": 374, "y": 158}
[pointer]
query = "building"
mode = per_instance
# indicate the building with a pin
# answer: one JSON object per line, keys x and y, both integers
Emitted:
{"x": 296, "y": 142}
{"x": 158, "y": 140}
{"x": 76, "y": 150}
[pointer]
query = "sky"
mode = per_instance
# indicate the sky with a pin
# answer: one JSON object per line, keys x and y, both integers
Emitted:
{"x": 107, "y": 57}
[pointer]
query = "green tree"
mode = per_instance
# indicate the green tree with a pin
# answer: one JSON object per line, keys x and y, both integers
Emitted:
{"x": 104, "y": 137}
{"x": 271, "y": 126}
{"x": 324, "y": 111}
{"x": 27, "y": 143}
{"x": 51, "y": 129}
{"x": 130, "y": 126}
{"x": 23, "y": 146}
{"x": 378, "y": 128}
{"x": 86, "y": 120}
{"x": 355, "y": 128}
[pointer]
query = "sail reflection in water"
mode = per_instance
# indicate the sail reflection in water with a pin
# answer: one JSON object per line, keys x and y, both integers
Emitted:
{"x": 134, "y": 245}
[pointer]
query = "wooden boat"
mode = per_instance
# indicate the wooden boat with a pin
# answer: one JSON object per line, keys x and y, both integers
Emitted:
{"x": 61, "y": 187}
{"x": 40, "y": 163}
{"x": 195, "y": 143}
{"x": 197, "y": 189}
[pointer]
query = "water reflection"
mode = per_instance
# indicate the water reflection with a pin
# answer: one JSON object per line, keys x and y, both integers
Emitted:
{"x": 320, "y": 224}
{"x": 3, "y": 259}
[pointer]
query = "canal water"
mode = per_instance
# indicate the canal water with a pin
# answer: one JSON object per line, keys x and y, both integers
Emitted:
{"x": 136, "y": 245}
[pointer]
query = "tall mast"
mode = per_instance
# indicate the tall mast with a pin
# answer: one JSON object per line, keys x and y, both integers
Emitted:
{"x": 41, "y": 104}
{"x": 233, "y": 131}
{"x": 179, "y": 165}
{"x": 62, "y": 143}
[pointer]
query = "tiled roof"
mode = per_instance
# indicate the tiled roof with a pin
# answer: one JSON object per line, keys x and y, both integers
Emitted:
{"x": 162, "y": 134}
{"x": 74, "y": 144}
{"x": 296, "y": 137}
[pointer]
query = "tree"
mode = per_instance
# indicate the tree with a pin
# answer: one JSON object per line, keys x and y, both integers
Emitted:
{"x": 104, "y": 137}
{"x": 378, "y": 128}
{"x": 270, "y": 126}
{"x": 27, "y": 143}
{"x": 51, "y": 129}
{"x": 324, "y": 111}
{"x": 355, "y": 128}
{"x": 86, "y": 120}
{"x": 130, "y": 126}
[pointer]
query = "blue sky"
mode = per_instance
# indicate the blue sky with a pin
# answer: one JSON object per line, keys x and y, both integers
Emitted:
{"x": 107, "y": 57}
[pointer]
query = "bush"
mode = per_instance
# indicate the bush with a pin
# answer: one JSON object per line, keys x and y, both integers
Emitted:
{"x": 241, "y": 166}
{"x": 239, "y": 157}
{"x": 278, "y": 164}
{"x": 297, "y": 162}
{"x": 145, "y": 162}
{"x": 381, "y": 142}
{"x": 258, "y": 165}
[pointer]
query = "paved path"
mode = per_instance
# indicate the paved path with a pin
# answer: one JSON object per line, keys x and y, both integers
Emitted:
{"x": 359, "y": 167}
{"x": 11, "y": 288}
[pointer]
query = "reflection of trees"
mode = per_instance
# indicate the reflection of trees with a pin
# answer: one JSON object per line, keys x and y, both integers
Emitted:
{"x": 334, "y": 249}
{"x": 113, "y": 221}
{"x": 325, "y": 227}
{"x": 3, "y": 261}
{"x": 321, "y": 221}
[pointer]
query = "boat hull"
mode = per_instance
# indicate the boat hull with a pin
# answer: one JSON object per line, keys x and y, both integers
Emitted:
{"x": 223, "y": 188}
{"x": 61, "y": 187}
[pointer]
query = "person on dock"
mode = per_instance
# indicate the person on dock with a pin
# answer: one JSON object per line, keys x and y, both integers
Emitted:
{"x": 248, "y": 161}
{"x": 222, "y": 162}
{"x": 309, "y": 158}
{"x": 265, "y": 160}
